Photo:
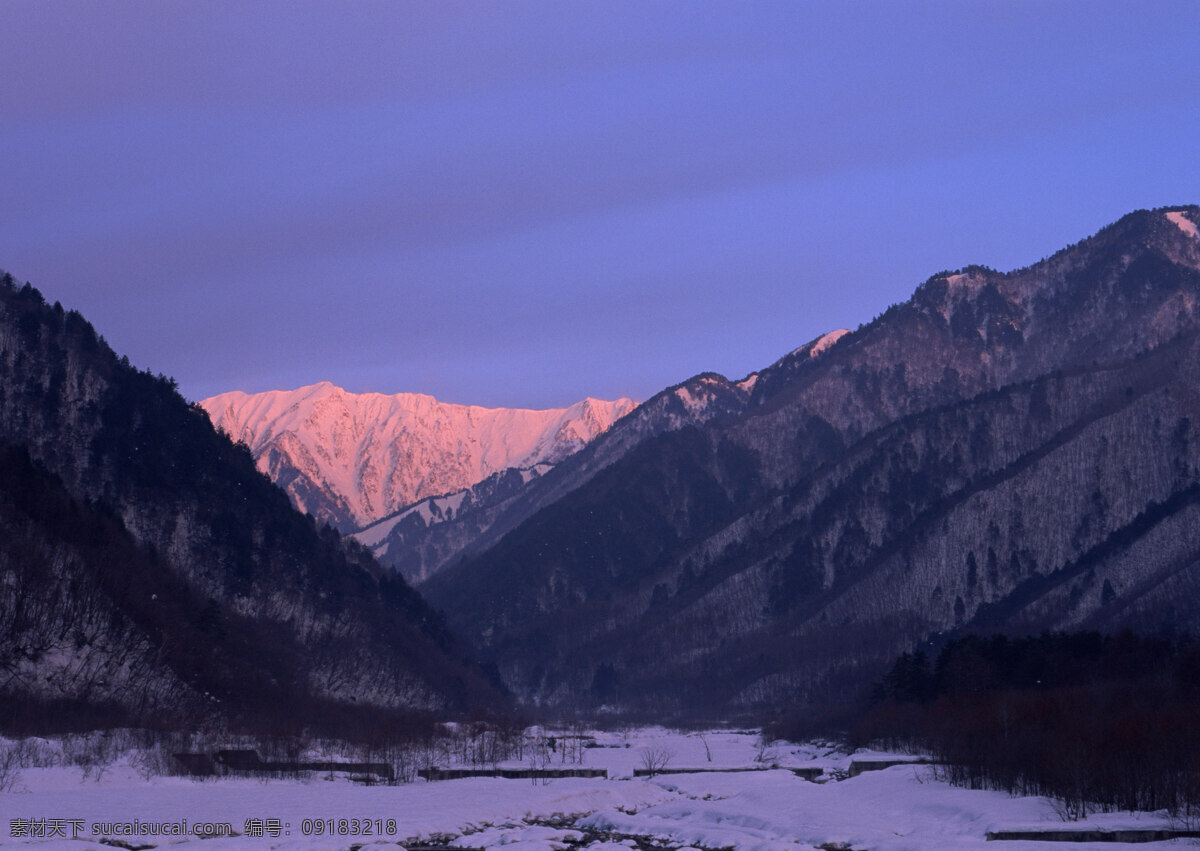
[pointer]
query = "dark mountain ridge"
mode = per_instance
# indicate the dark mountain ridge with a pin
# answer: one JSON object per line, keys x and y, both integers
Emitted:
{"x": 151, "y": 574}
{"x": 489, "y": 513}
{"x": 1012, "y": 316}
{"x": 1015, "y": 448}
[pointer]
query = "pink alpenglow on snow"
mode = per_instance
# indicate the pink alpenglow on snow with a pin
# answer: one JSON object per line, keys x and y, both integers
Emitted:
{"x": 372, "y": 454}
{"x": 1184, "y": 224}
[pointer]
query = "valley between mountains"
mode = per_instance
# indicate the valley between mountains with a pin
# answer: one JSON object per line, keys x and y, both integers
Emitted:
{"x": 1004, "y": 452}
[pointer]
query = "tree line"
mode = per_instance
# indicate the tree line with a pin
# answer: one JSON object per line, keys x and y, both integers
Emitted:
{"x": 1096, "y": 722}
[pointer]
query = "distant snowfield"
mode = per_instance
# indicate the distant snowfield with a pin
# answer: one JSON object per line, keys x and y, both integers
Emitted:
{"x": 902, "y": 807}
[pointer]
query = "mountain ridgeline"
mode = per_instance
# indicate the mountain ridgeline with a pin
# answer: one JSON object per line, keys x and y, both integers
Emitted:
{"x": 1011, "y": 452}
{"x": 150, "y": 574}
{"x": 351, "y": 459}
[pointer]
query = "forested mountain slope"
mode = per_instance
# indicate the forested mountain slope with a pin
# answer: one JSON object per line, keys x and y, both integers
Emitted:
{"x": 1015, "y": 451}
{"x": 149, "y": 573}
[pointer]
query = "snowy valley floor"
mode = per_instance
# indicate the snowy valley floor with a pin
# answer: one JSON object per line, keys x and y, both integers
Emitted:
{"x": 903, "y": 807}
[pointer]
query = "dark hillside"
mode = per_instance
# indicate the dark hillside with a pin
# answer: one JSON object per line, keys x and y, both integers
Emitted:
{"x": 1017, "y": 450}
{"x": 175, "y": 580}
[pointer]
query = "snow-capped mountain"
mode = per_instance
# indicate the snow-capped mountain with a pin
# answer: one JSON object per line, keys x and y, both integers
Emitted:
{"x": 351, "y": 459}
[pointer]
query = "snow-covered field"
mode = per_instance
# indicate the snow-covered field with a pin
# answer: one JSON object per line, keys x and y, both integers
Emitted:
{"x": 903, "y": 807}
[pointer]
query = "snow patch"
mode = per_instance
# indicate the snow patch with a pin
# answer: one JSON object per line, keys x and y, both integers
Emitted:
{"x": 373, "y": 535}
{"x": 694, "y": 403}
{"x": 452, "y": 503}
{"x": 964, "y": 282}
{"x": 438, "y": 508}
{"x": 816, "y": 347}
{"x": 528, "y": 474}
{"x": 822, "y": 343}
{"x": 1185, "y": 224}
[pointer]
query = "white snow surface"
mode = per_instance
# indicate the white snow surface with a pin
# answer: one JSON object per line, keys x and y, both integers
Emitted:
{"x": 826, "y": 340}
{"x": 379, "y": 453}
{"x": 821, "y": 344}
{"x": 698, "y": 397}
{"x": 1185, "y": 224}
{"x": 528, "y": 474}
{"x": 899, "y": 808}
{"x": 436, "y": 508}
{"x": 694, "y": 404}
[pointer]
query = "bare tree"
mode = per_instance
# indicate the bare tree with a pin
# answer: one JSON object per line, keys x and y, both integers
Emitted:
{"x": 765, "y": 754}
{"x": 539, "y": 758}
{"x": 655, "y": 758}
{"x": 12, "y": 760}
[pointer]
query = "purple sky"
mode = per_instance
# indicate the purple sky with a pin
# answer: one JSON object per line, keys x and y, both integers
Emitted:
{"x": 523, "y": 204}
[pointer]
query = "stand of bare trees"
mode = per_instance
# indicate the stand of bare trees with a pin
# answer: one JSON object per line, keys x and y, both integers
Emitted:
{"x": 1098, "y": 723}
{"x": 292, "y": 753}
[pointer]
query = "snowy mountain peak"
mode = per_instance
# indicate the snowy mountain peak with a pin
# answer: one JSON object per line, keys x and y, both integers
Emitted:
{"x": 352, "y": 458}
